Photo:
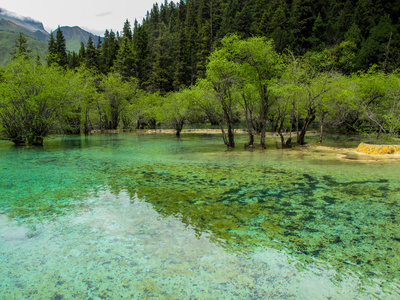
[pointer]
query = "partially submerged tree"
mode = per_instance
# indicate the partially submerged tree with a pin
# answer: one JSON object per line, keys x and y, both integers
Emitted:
{"x": 221, "y": 74}
{"x": 258, "y": 65}
{"x": 117, "y": 95}
{"x": 176, "y": 109}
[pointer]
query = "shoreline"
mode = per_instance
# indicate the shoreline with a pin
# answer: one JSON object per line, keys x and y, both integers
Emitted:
{"x": 173, "y": 131}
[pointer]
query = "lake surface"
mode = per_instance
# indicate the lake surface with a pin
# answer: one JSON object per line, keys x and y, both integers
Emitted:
{"x": 136, "y": 216}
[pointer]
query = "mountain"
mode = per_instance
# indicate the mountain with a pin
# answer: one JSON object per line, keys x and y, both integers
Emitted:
{"x": 11, "y": 25}
{"x": 75, "y": 35}
{"x": 10, "y": 22}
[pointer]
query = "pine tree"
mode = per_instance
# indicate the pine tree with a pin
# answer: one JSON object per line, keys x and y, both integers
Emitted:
{"x": 124, "y": 63}
{"x": 73, "y": 60}
{"x": 82, "y": 54}
{"x": 61, "y": 48}
{"x": 21, "y": 48}
{"x": 127, "y": 31}
{"x": 91, "y": 56}
{"x": 318, "y": 37}
{"x": 161, "y": 78}
{"x": 57, "y": 49}
{"x": 142, "y": 54}
{"x": 191, "y": 42}
{"x": 52, "y": 51}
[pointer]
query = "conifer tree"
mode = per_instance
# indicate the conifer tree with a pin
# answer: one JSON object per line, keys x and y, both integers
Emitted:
{"x": 124, "y": 63}
{"x": 82, "y": 54}
{"x": 141, "y": 50}
{"x": 73, "y": 60}
{"x": 61, "y": 48}
{"x": 127, "y": 31}
{"x": 52, "y": 51}
{"x": 91, "y": 55}
{"x": 21, "y": 48}
{"x": 57, "y": 49}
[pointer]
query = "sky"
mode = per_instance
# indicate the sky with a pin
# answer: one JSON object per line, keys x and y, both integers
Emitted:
{"x": 92, "y": 15}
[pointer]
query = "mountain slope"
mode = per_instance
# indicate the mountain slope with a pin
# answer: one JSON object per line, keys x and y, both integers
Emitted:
{"x": 75, "y": 35}
{"x": 7, "y": 42}
{"x": 11, "y": 25}
{"x": 10, "y": 22}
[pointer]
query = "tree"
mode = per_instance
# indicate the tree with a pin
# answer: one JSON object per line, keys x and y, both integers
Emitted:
{"x": 57, "y": 49}
{"x": 91, "y": 55}
{"x": 221, "y": 74}
{"x": 313, "y": 87}
{"x": 259, "y": 64}
{"x": 125, "y": 60}
{"x": 108, "y": 51}
{"x": 378, "y": 97}
{"x": 141, "y": 51}
{"x": 380, "y": 47}
{"x": 61, "y": 47}
{"x": 52, "y": 51}
{"x": 176, "y": 109}
{"x": 253, "y": 64}
{"x": 33, "y": 99}
{"x": 161, "y": 79}
{"x": 21, "y": 48}
{"x": 117, "y": 94}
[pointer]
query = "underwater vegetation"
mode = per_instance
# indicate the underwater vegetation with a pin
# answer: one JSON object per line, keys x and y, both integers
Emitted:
{"x": 321, "y": 211}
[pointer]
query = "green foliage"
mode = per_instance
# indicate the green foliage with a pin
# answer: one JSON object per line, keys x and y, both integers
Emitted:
{"x": 21, "y": 48}
{"x": 57, "y": 50}
{"x": 116, "y": 99}
{"x": 125, "y": 61}
{"x": 225, "y": 60}
{"x": 91, "y": 56}
{"x": 33, "y": 99}
{"x": 7, "y": 46}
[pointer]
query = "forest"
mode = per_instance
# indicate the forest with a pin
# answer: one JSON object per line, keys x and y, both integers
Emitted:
{"x": 278, "y": 66}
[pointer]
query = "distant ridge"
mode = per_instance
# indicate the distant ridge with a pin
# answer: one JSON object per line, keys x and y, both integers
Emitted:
{"x": 75, "y": 35}
{"x": 11, "y": 22}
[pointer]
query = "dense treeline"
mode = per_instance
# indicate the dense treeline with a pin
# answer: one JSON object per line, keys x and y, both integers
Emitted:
{"x": 278, "y": 65}
{"x": 170, "y": 47}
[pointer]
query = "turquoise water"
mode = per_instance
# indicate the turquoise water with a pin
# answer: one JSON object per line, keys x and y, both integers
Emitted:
{"x": 150, "y": 216}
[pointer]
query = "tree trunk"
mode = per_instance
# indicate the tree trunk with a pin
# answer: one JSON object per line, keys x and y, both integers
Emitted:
{"x": 310, "y": 118}
{"x": 231, "y": 137}
{"x": 288, "y": 143}
{"x": 178, "y": 128}
{"x": 263, "y": 116}
{"x": 249, "y": 124}
{"x": 250, "y": 144}
{"x": 322, "y": 127}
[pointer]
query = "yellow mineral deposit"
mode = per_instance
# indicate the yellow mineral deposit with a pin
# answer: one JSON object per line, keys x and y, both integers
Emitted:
{"x": 378, "y": 149}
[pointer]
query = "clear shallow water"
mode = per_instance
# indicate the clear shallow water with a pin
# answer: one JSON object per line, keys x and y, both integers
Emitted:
{"x": 141, "y": 216}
